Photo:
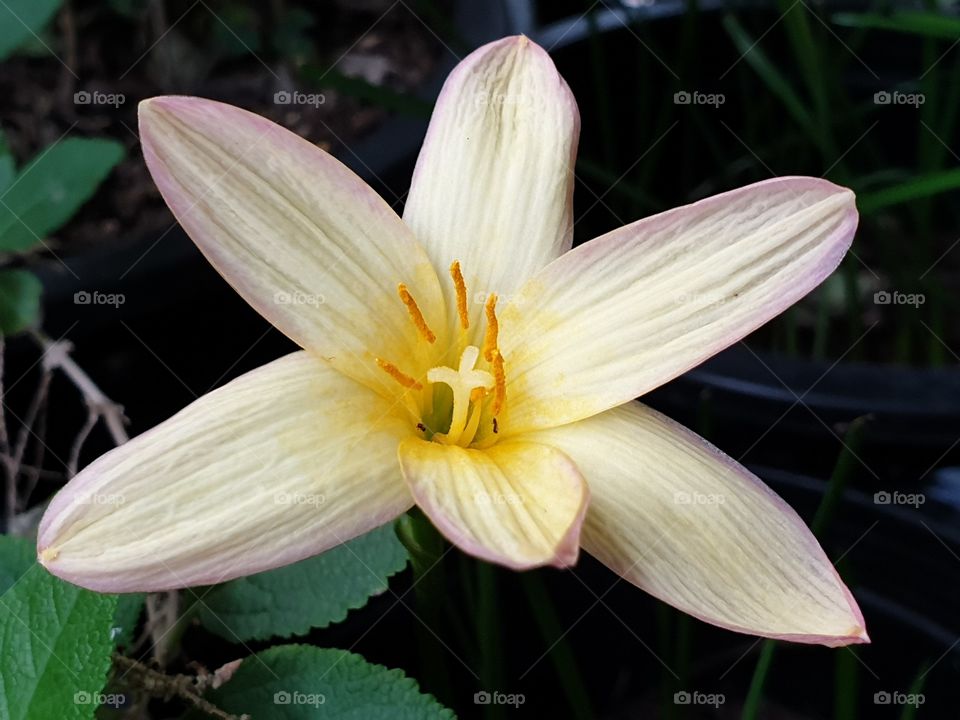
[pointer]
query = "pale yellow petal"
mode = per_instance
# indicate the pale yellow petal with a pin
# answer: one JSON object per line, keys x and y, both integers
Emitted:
{"x": 278, "y": 465}
{"x": 678, "y": 518}
{"x": 518, "y": 504}
{"x": 301, "y": 237}
{"x": 494, "y": 182}
{"x": 626, "y": 312}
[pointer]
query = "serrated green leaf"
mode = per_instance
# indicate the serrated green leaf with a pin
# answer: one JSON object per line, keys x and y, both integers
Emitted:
{"x": 19, "y": 300}
{"x": 54, "y": 647}
{"x": 52, "y": 187}
{"x": 309, "y": 594}
{"x": 21, "y": 20}
{"x": 299, "y": 682}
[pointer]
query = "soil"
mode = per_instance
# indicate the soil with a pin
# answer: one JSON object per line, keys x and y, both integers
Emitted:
{"x": 192, "y": 55}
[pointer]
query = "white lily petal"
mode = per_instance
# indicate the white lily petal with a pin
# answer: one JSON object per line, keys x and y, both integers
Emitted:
{"x": 303, "y": 240}
{"x": 678, "y": 518}
{"x": 630, "y": 310}
{"x": 278, "y": 465}
{"x": 493, "y": 184}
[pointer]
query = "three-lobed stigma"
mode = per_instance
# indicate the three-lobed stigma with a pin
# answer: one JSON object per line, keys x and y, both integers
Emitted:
{"x": 475, "y": 394}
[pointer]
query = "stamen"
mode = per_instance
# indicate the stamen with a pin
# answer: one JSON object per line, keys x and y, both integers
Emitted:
{"x": 461, "y": 287}
{"x": 500, "y": 383}
{"x": 415, "y": 313}
{"x": 402, "y": 378}
{"x": 493, "y": 328}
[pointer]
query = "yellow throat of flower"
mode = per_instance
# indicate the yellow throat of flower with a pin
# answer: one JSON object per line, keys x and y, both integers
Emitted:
{"x": 461, "y": 406}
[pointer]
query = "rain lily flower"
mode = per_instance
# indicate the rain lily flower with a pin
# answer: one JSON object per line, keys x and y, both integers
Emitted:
{"x": 466, "y": 360}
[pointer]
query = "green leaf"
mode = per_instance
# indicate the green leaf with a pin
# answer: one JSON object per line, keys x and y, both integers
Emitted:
{"x": 16, "y": 557}
{"x": 298, "y": 682}
{"x": 21, "y": 20}
{"x": 19, "y": 300}
{"x": 921, "y": 186}
{"x": 309, "y": 594}
{"x": 55, "y": 647}
{"x": 52, "y": 187}
{"x": 926, "y": 24}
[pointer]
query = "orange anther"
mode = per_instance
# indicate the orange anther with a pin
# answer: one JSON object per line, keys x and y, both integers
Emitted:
{"x": 402, "y": 378}
{"x": 461, "y": 287}
{"x": 415, "y": 313}
{"x": 500, "y": 383}
{"x": 493, "y": 328}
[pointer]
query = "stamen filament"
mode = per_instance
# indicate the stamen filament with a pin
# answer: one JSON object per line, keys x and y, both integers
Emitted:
{"x": 461, "y": 288}
{"x": 415, "y": 313}
{"x": 493, "y": 328}
{"x": 401, "y": 377}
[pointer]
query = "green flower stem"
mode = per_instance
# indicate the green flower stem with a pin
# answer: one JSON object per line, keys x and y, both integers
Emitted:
{"x": 561, "y": 655}
{"x": 426, "y": 547}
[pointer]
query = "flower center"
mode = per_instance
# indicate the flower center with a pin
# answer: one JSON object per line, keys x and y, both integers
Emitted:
{"x": 461, "y": 406}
